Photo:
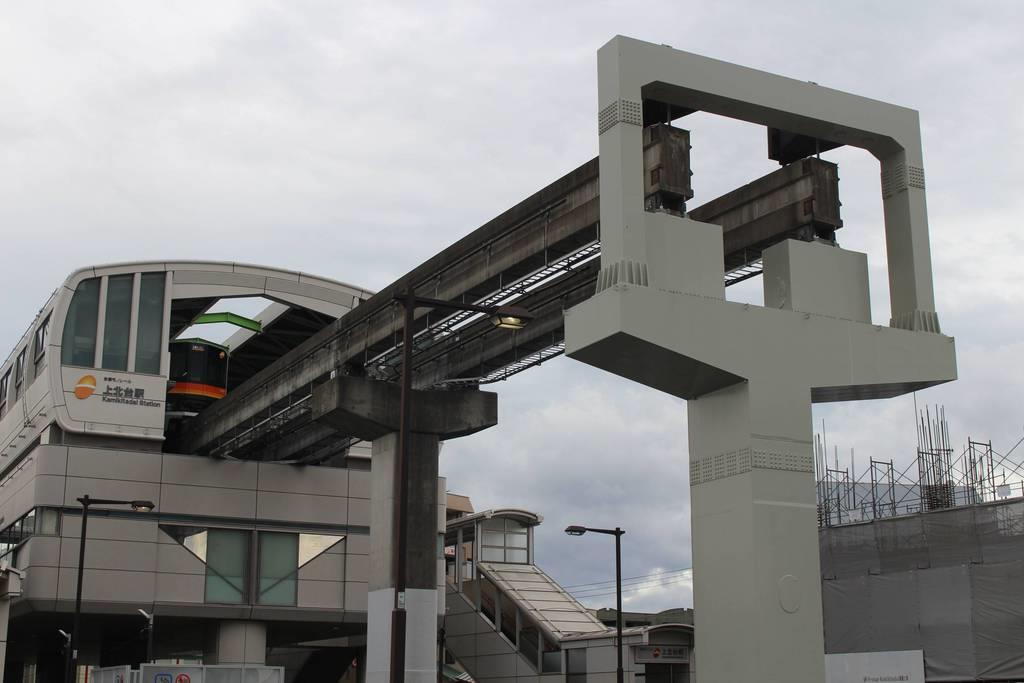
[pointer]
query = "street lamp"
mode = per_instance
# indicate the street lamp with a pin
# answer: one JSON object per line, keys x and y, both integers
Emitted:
{"x": 505, "y": 317}
{"x": 575, "y": 530}
{"x": 86, "y": 501}
{"x": 67, "y": 647}
{"x": 149, "y": 634}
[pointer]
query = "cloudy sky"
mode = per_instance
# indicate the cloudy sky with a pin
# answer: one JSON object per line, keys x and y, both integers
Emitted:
{"x": 353, "y": 140}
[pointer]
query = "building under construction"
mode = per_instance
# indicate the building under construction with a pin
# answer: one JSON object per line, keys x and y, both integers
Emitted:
{"x": 928, "y": 557}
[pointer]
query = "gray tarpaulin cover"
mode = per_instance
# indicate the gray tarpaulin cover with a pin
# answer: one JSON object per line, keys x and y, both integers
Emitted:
{"x": 949, "y": 582}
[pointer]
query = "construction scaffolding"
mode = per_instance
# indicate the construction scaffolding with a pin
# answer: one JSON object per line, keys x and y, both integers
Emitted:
{"x": 938, "y": 477}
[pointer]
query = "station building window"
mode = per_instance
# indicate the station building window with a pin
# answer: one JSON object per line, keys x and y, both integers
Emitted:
{"x": 36, "y": 522}
{"x": 282, "y": 555}
{"x": 227, "y": 559}
{"x": 19, "y": 374}
{"x": 5, "y": 382}
{"x": 279, "y": 561}
{"x": 225, "y": 552}
{"x": 504, "y": 540}
{"x": 117, "y": 325}
{"x": 39, "y": 346}
{"x": 78, "y": 342}
{"x": 149, "y": 341}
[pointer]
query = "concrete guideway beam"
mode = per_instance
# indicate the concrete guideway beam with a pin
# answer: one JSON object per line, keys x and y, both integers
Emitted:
{"x": 631, "y": 71}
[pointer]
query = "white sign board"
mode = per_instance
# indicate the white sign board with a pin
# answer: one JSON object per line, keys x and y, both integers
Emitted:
{"x": 171, "y": 673}
{"x": 905, "y": 666}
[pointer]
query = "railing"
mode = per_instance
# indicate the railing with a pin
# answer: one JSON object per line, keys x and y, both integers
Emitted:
{"x": 511, "y": 624}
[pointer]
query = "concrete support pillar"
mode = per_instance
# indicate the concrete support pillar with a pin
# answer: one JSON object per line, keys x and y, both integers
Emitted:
{"x": 369, "y": 409}
{"x": 753, "y": 519}
{"x": 239, "y": 642}
{"x": 421, "y": 558}
{"x": 5, "y": 613}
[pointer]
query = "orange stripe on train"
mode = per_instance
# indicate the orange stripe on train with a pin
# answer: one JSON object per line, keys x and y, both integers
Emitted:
{"x": 198, "y": 389}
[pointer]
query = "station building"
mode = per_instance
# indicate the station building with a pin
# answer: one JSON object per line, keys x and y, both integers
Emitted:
{"x": 241, "y": 561}
{"x": 238, "y": 558}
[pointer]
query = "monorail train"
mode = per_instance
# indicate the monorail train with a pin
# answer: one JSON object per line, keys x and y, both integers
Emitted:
{"x": 95, "y": 363}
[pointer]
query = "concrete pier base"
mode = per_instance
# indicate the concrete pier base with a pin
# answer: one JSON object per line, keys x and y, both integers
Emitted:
{"x": 239, "y": 642}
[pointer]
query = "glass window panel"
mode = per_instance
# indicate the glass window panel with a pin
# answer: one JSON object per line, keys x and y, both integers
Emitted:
{"x": 516, "y": 540}
{"x": 149, "y": 339}
{"x": 78, "y": 343}
{"x": 19, "y": 374}
{"x": 278, "y": 568}
{"x": 5, "y": 383}
{"x": 529, "y": 644}
{"x": 495, "y": 524}
{"x": 227, "y": 552}
{"x": 42, "y": 335}
{"x": 516, "y": 555}
{"x": 28, "y": 526}
{"x": 118, "y": 321}
{"x": 493, "y": 555}
{"x": 47, "y": 521}
{"x": 488, "y": 598}
{"x": 551, "y": 660}
{"x": 508, "y": 619}
{"x": 494, "y": 538}
{"x": 313, "y": 545}
{"x": 39, "y": 346}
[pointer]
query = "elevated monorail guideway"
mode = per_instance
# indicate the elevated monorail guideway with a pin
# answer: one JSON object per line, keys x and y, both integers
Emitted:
{"x": 542, "y": 254}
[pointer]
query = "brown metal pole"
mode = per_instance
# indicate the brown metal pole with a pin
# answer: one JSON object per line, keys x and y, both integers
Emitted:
{"x": 398, "y": 615}
{"x": 72, "y": 668}
{"x": 619, "y": 677}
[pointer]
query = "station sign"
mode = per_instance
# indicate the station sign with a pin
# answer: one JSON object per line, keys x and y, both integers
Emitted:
{"x": 661, "y": 654}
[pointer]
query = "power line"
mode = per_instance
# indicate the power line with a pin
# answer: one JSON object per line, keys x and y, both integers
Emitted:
{"x": 637, "y": 585}
{"x": 628, "y": 578}
{"x": 633, "y": 589}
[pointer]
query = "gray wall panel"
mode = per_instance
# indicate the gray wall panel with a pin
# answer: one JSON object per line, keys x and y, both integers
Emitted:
{"x": 322, "y": 594}
{"x": 200, "y": 500}
{"x": 325, "y": 481}
{"x": 301, "y": 508}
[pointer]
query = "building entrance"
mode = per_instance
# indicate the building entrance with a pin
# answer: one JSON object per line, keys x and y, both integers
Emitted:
{"x": 667, "y": 673}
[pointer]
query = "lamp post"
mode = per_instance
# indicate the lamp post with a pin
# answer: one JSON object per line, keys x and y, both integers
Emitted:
{"x": 67, "y": 647}
{"x": 617, "y": 533}
{"x": 505, "y": 317}
{"x": 86, "y": 501}
{"x": 149, "y": 633}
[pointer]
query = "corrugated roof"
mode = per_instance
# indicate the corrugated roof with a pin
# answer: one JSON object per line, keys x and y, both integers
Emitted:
{"x": 543, "y": 600}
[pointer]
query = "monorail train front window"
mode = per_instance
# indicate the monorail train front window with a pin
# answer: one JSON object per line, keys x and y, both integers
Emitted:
{"x": 149, "y": 336}
{"x": 78, "y": 343}
{"x": 117, "y": 325}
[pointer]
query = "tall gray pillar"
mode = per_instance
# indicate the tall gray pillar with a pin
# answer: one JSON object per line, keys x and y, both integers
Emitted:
{"x": 368, "y": 409}
{"x": 752, "y": 502}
